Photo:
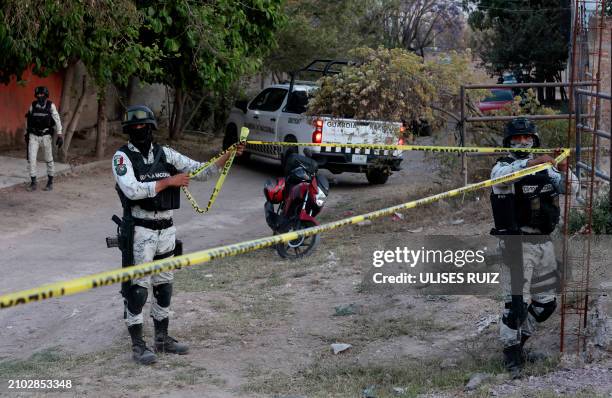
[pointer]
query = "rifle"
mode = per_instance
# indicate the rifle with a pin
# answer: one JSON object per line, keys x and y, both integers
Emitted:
{"x": 124, "y": 241}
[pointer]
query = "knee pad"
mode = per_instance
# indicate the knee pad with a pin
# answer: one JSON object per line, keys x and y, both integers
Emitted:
{"x": 162, "y": 294}
{"x": 545, "y": 310}
{"x": 136, "y": 297}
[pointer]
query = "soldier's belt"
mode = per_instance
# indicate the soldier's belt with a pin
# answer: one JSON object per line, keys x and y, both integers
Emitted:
{"x": 155, "y": 225}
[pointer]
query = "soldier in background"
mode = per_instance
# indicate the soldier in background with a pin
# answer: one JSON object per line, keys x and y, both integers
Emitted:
{"x": 42, "y": 120}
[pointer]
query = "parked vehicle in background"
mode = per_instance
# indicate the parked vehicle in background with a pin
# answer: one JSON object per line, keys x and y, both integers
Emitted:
{"x": 278, "y": 114}
{"x": 499, "y": 98}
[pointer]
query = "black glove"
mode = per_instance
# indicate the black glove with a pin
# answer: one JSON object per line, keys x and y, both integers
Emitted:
{"x": 59, "y": 142}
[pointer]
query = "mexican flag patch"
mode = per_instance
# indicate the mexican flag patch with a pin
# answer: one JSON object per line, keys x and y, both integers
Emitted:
{"x": 120, "y": 167}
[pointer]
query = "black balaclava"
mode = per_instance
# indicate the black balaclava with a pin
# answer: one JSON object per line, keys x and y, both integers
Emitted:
{"x": 41, "y": 100}
{"x": 141, "y": 138}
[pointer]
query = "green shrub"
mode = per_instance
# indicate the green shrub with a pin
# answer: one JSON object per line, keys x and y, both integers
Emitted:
{"x": 392, "y": 85}
{"x": 601, "y": 217}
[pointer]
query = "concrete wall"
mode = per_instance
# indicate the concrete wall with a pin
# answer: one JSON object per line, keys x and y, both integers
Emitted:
{"x": 154, "y": 96}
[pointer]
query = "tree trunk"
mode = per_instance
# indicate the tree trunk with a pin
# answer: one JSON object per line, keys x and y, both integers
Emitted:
{"x": 102, "y": 126}
{"x": 195, "y": 110}
{"x": 131, "y": 89}
{"x": 176, "y": 121}
{"x": 71, "y": 127}
{"x": 67, "y": 93}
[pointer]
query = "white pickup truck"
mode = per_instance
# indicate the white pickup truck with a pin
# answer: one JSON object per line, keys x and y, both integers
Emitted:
{"x": 273, "y": 115}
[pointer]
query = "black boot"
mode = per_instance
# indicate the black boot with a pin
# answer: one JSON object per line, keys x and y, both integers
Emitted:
{"x": 513, "y": 360}
{"x": 140, "y": 352}
{"x": 49, "y": 186}
{"x": 33, "y": 184}
{"x": 165, "y": 343}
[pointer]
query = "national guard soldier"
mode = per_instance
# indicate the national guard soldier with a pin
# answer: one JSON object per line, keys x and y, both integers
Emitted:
{"x": 42, "y": 120}
{"x": 148, "y": 179}
{"x": 525, "y": 213}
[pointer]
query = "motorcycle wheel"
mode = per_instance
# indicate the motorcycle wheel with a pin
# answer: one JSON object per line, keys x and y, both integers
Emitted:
{"x": 300, "y": 247}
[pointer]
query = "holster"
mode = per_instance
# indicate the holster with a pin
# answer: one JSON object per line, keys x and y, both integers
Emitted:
{"x": 27, "y": 141}
{"x": 125, "y": 242}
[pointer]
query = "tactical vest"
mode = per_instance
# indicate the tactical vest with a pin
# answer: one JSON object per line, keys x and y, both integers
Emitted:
{"x": 39, "y": 118}
{"x": 169, "y": 198}
{"x": 534, "y": 204}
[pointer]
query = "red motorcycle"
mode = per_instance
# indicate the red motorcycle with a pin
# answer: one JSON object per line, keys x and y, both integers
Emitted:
{"x": 300, "y": 196}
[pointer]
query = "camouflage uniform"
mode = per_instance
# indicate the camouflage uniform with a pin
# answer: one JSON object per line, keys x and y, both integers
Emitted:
{"x": 149, "y": 243}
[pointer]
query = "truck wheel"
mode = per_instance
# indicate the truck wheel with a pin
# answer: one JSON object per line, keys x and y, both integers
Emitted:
{"x": 377, "y": 176}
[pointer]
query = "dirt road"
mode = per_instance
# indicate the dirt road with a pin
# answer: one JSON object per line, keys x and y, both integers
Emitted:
{"x": 257, "y": 326}
{"x": 49, "y": 237}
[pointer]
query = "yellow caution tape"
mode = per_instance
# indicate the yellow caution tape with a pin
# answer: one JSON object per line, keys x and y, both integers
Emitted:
{"x": 244, "y": 132}
{"x": 85, "y": 283}
{"x": 425, "y": 148}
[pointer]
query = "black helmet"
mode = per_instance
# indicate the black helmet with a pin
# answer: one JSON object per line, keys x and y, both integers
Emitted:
{"x": 138, "y": 114}
{"x": 41, "y": 90}
{"x": 521, "y": 126}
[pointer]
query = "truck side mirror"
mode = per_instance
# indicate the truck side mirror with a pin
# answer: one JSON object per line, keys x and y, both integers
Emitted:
{"x": 242, "y": 105}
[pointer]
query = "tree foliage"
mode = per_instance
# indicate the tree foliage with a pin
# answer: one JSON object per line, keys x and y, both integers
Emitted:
{"x": 206, "y": 45}
{"x": 43, "y": 34}
{"x": 320, "y": 29}
{"x": 531, "y": 36}
{"x": 187, "y": 45}
{"x": 329, "y": 29}
{"x": 50, "y": 34}
{"x": 393, "y": 85}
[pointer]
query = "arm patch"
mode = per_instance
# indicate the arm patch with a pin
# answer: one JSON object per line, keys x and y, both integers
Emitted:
{"x": 119, "y": 165}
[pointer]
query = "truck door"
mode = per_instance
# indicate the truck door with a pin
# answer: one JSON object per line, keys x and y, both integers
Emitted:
{"x": 291, "y": 121}
{"x": 262, "y": 118}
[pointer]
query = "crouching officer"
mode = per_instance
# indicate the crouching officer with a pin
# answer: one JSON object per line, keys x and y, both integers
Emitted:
{"x": 525, "y": 213}
{"x": 148, "y": 179}
{"x": 42, "y": 120}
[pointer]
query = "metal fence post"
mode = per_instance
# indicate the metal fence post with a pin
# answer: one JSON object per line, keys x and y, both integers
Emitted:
{"x": 462, "y": 135}
{"x": 577, "y": 123}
